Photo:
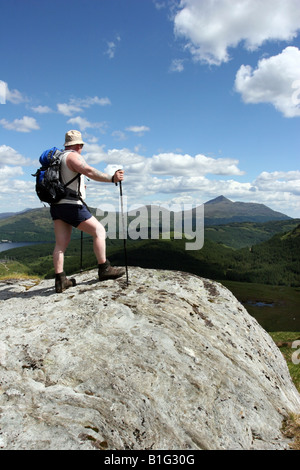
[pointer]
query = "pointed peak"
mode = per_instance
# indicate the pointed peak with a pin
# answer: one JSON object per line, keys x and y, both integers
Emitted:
{"x": 218, "y": 200}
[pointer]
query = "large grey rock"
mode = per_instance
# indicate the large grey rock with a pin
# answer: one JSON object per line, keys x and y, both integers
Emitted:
{"x": 172, "y": 361}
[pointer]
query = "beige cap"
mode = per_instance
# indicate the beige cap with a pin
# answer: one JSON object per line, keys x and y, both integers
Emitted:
{"x": 73, "y": 138}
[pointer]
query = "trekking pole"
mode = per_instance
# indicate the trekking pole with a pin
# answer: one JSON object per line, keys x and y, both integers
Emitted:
{"x": 124, "y": 238}
{"x": 81, "y": 241}
{"x": 123, "y": 227}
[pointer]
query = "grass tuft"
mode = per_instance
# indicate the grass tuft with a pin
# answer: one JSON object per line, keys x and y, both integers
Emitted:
{"x": 291, "y": 430}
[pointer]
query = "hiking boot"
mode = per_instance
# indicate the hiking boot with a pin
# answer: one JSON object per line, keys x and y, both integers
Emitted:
{"x": 106, "y": 271}
{"x": 62, "y": 282}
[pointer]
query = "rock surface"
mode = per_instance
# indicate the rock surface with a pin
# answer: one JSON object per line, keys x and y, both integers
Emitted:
{"x": 172, "y": 361}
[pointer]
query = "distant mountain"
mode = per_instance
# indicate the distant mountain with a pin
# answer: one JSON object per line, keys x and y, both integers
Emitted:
{"x": 5, "y": 215}
{"x": 30, "y": 225}
{"x": 275, "y": 261}
{"x": 246, "y": 234}
{"x": 223, "y": 211}
{"x": 37, "y": 225}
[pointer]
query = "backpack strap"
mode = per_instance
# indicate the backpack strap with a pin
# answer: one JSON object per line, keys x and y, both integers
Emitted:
{"x": 73, "y": 179}
{"x": 71, "y": 194}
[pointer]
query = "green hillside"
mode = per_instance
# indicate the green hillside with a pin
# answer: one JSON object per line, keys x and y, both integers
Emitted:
{"x": 267, "y": 253}
{"x": 266, "y": 278}
{"x": 246, "y": 234}
{"x": 33, "y": 225}
{"x": 36, "y": 225}
{"x": 275, "y": 261}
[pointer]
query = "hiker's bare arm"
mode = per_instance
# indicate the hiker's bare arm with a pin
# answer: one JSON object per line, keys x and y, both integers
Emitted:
{"x": 78, "y": 164}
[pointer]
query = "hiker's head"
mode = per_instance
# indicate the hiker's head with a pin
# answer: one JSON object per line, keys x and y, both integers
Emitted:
{"x": 73, "y": 140}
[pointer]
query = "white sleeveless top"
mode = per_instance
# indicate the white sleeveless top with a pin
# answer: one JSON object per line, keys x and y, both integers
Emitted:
{"x": 67, "y": 175}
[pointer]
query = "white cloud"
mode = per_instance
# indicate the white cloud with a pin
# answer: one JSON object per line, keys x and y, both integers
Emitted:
{"x": 26, "y": 124}
{"x": 176, "y": 65}
{"x": 17, "y": 195}
{"x": 10, "y": 156}
{"x": 7, "y": 172}
{"x": 94, "y": 153}
{"x": 13, "y": 96}
{"x": 164, "y": 164}
{"x": 11, "y": 167}
{"x": 279, "y": 181}
{"x": 111, "y": 47}
{"x": 273, "y": 81}
{"x": 159, "y": 5}
{"x": 87, "y": 102}
{"x": 173, "y": 177}
{"x": 42, "y": 109}
{"x": 125, "y": 157}
{"x": 119, "y": 135}
{"x": 211, "y": 27}
{"x": 84, "y": 124}
{"x": 76, "y": 105}
{"x": 81, "y": 122}
{"x": 139, "y": 130}
{"x": 280, "y": 195}
{"x": 165, "y": 178}
{"x": 176, "y": 164}
{"x": 68, "y": 109}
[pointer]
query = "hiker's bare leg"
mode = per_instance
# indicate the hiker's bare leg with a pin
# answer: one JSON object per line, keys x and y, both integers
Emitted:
{"x": 62, "y": 232}
{"x": 93, "y": 227}
{"x": 105, "y": 271}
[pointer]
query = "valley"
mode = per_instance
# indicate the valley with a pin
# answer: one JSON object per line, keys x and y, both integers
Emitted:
{"x": 258, "y": 261}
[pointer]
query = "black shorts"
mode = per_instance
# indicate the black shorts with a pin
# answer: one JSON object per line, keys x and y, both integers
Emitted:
{"x": 72, "y": 214}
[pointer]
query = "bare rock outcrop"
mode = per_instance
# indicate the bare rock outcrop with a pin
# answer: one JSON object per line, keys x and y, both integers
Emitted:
{"x": 172, "y": 361}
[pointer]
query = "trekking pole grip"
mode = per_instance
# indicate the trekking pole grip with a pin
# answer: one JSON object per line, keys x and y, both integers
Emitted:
{"x": 114, "y": 177}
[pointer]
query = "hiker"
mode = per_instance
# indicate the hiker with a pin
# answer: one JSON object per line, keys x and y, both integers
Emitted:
{"x": 68, "y": 213}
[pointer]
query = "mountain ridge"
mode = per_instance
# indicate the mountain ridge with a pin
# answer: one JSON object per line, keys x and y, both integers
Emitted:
{"x": 222, "y": 210}
{"x": 36, "y": 224}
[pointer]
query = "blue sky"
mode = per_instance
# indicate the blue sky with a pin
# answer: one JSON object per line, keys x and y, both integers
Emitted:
{"x": 195, "y": 98}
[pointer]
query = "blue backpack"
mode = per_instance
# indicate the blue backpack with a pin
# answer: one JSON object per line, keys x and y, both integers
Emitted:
{"x": 49, "y": 186}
